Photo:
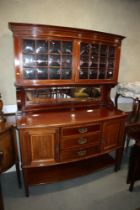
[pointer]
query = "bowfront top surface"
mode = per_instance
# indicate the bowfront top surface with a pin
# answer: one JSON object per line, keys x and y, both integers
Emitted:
{"x": 71, "y": 117}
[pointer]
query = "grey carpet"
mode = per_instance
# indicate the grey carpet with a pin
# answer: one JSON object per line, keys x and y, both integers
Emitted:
{"x": 103, "y": 190}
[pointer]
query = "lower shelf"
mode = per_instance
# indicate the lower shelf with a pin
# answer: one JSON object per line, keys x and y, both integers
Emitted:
{"x": 57, "y": 173}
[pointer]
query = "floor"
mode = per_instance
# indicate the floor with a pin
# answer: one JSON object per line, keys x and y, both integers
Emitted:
{"x": 103, "y": 190}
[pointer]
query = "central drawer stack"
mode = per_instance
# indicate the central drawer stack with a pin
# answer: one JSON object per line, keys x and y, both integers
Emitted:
{"x": 80, "y": 141}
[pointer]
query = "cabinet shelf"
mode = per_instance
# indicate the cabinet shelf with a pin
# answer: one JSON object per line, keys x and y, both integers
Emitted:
{"x": 70, "y": 170}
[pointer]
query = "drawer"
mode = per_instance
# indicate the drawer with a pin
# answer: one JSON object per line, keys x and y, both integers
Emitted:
{"x": 80, "y": 129}
{"x": 79, "y": 140}
{"x": 73, "y": 154}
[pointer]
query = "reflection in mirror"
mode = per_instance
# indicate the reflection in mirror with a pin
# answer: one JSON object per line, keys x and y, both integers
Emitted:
{"x": 85, "y": 92}
{"x": 61, "y": 94}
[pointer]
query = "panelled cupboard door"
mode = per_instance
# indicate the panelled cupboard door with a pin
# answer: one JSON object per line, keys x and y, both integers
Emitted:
{"x": 112, "y": 134}
{"x": 39, "y": 146}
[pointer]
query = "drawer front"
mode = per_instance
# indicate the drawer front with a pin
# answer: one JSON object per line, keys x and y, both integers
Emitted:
{"x": 80, "y": 129}
{"x": 75, "y": 154}
{"x": 79, "y": 140}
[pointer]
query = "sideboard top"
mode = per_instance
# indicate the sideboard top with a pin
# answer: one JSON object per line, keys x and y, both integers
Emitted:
{"x": 67, "y": 117}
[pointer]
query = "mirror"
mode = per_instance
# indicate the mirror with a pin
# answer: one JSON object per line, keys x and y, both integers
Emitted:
{"x": 61, "y": 94}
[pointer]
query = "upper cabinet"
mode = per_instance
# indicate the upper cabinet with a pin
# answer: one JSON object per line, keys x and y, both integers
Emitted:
{"x": 46, "y": 55}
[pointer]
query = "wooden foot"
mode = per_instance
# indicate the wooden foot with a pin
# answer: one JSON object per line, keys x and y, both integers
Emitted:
{"x": 26, "y": 190}
{"x": 131, "y": 186}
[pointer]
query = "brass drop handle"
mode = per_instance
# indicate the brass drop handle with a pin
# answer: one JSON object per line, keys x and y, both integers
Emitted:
{"x": 82, "y": 130}
{"x": 82, "y": 153}
{"x": 82, "y": 140}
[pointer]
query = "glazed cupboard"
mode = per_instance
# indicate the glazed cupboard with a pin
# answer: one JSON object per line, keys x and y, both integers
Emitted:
{"x": 67, "y": 123}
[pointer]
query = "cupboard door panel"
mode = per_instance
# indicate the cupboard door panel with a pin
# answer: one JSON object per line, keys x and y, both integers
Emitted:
{"x": 42, "y": 147}
{"x": 39, "y": 146}
{"x": 112, "y": 134}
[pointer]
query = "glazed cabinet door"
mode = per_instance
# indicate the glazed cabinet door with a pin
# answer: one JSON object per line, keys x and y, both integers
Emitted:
{"x": 45, "y": 60}
{"x": 113, "y": 134}
{"x": 98, "y": 62}
{"x": 39, "y": 146}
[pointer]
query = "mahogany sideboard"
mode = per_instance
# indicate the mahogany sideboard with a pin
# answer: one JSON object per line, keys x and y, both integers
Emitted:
{"x": 68, "y": 125}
